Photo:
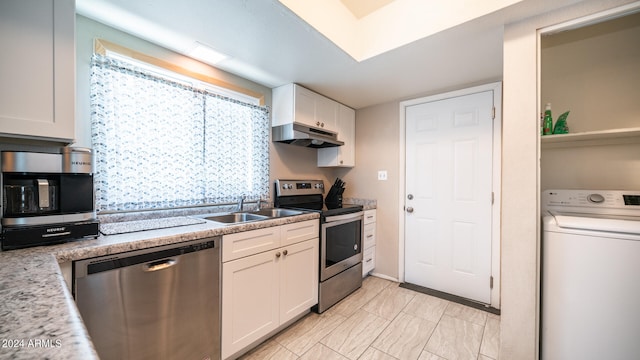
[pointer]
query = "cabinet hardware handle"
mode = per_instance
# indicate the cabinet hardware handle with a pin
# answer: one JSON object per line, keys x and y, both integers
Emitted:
{"x": 370, "y": 217}
{"x": 369, "y": 260}
{"x": 322, "y": 125}
{"x": 369, "y": 236}
{"x": 317, "y": 123}
{"x": 278, "y": 254}
{"x": 285, "y": 252}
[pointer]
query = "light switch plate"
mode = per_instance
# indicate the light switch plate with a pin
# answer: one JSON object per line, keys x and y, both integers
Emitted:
{"x": 382, "y": 174}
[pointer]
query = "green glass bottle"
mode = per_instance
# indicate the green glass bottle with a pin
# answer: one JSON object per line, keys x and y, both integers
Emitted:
{"x": 548, "y": 121}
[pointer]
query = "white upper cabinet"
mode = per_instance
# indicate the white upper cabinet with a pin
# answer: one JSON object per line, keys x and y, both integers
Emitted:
{"x": 294, "y": 104}
{"x": 345, "y": 155}
{"x": 37, "y": 71}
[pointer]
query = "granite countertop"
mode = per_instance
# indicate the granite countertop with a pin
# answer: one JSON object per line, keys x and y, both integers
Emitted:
{"x": 38, "y": 316}
{"x": 367, "y": 204}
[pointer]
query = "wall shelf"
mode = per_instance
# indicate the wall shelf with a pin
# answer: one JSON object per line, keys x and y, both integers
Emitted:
{"x": 591, "y": 138}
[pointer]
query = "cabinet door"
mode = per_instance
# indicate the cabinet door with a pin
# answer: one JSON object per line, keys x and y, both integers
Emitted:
{"x": 37, "y": 72}
{"x": 347, "y": 133}
{"x": 326, "y": 113}
{"x": 298, "y": 279}
{"x": 345, "y": 155}
{"x": 250, "y": 300}
{"x": 305, "y": 106}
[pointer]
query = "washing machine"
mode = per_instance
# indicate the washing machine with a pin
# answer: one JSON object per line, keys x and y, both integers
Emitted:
{"x": 590, "y": 285}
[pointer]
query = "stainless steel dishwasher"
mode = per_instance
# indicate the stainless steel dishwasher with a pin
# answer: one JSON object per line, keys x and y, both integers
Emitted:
{"x": 158, "y": 303}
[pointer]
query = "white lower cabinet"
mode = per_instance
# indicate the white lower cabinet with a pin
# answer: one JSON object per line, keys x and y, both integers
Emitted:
{"x": 250, "y": 300}
{"x": 298, "y": 279}
{"x": 265, "y": 289}
{"x": 369, "y": 242}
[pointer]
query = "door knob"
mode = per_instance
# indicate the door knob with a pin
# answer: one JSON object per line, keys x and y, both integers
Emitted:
{"x": 409, "y": 209}
{"x": 278, "y": 254}
{"x": 285, "y": 253}
{"x": 410, "y": 197}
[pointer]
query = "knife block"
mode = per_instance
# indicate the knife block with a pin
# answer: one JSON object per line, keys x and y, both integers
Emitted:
{"x": 334, "y": 200}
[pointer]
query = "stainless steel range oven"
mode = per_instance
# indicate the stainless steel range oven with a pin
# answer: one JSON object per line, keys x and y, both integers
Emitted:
{"x": 341, "y": 229}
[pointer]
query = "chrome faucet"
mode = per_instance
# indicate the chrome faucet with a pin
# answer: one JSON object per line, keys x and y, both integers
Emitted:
{"x": 258, "y": 203}
{"x": 241, "y": 203}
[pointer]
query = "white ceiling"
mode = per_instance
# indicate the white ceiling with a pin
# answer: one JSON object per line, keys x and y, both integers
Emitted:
{"x": 395, "y": 24}
{"x": 269, "y": 44}
{"x": 362, "y": 8}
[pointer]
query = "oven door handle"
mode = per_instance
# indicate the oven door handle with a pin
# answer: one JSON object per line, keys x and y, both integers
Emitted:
{"x": 344, "y": 217}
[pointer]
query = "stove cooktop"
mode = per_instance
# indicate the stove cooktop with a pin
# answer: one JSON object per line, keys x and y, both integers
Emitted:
{"x": 327, "y": 209}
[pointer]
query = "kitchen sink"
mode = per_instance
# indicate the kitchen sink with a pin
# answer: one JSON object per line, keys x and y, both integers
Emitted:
{"x": 236, "y": 218}
{"x": 275, "y": 212}
{"x": 262, "y": 214}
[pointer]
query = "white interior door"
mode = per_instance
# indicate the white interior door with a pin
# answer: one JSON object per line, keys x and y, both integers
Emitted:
{"x": 448, "y": 200}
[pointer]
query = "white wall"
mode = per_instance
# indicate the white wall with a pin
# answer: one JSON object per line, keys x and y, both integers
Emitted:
{"x": 594, "y": 72}
{"x": 377, "y": 134}
{"x": 520, "y": 179}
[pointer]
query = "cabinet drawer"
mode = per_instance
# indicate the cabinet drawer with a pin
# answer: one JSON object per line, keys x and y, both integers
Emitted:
{"x": 370, "y": 216}
{"x": 235, "y": 246}
{"x": 368, "y": 260}
{"x": 300, "y": 231}
{"x": 369, "y": 236}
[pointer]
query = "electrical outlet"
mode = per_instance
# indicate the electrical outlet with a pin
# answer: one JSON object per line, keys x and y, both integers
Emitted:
{"x": 382, "y": 175}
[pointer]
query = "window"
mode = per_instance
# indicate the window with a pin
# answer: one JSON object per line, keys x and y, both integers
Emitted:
{"x": 161, "y": 142}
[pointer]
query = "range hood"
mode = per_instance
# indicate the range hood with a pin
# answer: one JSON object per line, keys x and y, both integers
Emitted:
{"x": 303, "y": 135}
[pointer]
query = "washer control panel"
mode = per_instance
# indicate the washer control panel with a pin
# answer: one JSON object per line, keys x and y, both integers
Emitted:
{"x": 591, "y": 201}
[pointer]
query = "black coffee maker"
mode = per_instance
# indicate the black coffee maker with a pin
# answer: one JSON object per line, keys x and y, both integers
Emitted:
{"x": 46, "y": 197}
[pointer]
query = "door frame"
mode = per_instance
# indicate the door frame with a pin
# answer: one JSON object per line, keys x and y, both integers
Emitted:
{"x": 496, "y": 87}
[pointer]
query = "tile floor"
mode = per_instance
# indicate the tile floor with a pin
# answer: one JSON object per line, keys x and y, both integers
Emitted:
{"x": 383, "y": 321}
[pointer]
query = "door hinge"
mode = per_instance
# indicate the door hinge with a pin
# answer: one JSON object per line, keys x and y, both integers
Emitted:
{"x": 493, "y": 198}
{"x": 493, "y": 115}
{"x": 490, "y": 282}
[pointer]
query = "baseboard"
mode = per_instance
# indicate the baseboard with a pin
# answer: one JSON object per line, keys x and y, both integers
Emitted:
{"x": 383, "y": 276}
